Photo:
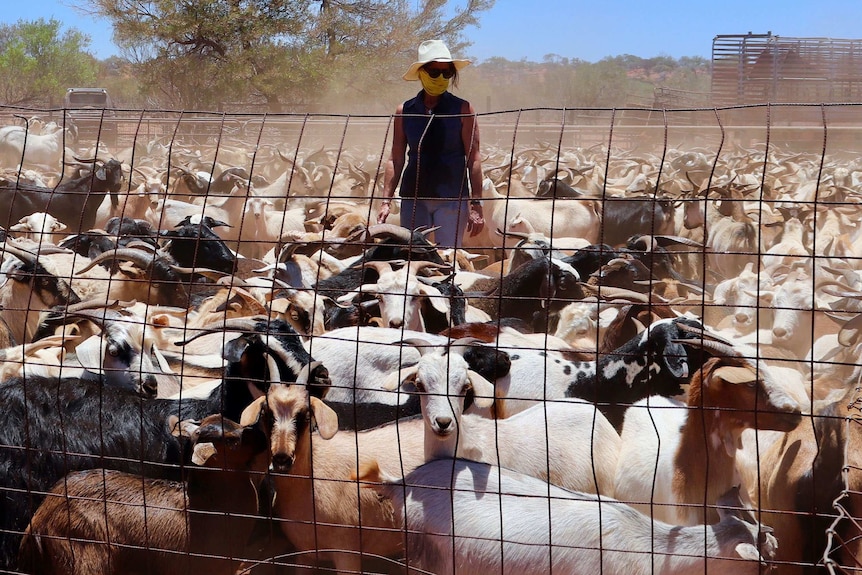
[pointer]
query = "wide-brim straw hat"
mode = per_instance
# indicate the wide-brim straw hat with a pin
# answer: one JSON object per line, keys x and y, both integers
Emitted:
{"x": 432, "y": 51}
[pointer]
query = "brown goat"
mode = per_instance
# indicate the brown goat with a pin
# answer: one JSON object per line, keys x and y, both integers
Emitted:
{"x": 102, "y": 521}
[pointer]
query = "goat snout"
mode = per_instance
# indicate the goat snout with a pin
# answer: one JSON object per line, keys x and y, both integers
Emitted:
{"x": 150, "y": 386}
{"x": 443, "y": 424}
{"x": 780, "y": 333}
{"x": 396, "y": 323}
{"x": 282, "y": 462}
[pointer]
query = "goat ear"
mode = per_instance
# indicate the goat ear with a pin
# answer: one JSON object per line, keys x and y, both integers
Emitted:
{"x": 90, "y": 353}
{"x": 173, "y": 425}
{"x": 327, "y": 420}
{"x": 251, "y": 414}
{"x": 483, "y": 389}
{"x": 162, "y": 360}
{"x": 202, "y": 453}
{"x": 184, "y": 428}
{"x": 364, "y": 288}
{"x": 748, "y": 551}
{"x": 734, "y": 374}
{"x": 676, "y": 360}
{"x": 438, "y": 301}
{"x": 234, "y": 349}
{"x": 399, "y": 377}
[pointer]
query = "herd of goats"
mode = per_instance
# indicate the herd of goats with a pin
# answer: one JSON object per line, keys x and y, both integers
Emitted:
{"x": 214, "y": 358}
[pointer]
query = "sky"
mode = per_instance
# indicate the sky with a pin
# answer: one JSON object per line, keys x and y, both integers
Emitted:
{"x": 590, "y": 31}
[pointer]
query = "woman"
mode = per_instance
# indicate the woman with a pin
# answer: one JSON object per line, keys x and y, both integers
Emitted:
{"x": 442, "y": 183}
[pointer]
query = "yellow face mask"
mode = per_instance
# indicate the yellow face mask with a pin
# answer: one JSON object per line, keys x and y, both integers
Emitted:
{"x": 434, "y": 86}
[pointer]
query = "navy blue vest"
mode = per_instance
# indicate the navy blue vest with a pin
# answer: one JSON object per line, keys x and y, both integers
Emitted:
{"x": 436, "y": 160}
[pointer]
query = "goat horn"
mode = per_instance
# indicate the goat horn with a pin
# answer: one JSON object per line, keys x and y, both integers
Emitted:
{"x": 421, "y": 345}
{"x": 208, "y": 273}
{"x": 391, "y": 230}
{"x": 138, "y": 257}
{"x": 305, "y": 372}
{"x": 272, "y": 368}
{"x": 234, "y": 324}
{"x": 849, "y": 332}
{"x": 616, "y": 293}
{"x": 461, "y": 344}
{"x": 716, "y": 347}
{"x": 418, "y": 265}
{"x": 428, "y": 231}
{"x": 20, "y": 253}
{"x": 288, "y": 251}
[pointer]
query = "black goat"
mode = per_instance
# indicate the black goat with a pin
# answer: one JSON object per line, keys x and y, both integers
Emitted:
{"x": 118, "y": 232}
{"x": 73, "y": 202}
{"x": 196, "y": 245}
{"x": 554, "y": 187}
{"x": 100, "y": 521}
{"x": 52, "y": 427}
{"x": 624, "y": 217}
{"x": 526, "y": 292}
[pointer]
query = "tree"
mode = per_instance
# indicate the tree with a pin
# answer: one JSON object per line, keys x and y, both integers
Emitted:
{"x": 200, "y": 54}
{"x": 601, "y": 85}
{"x": 37, "y": 63}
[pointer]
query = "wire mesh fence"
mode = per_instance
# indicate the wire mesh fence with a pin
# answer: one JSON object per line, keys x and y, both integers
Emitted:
{"x": 215, "y": 356}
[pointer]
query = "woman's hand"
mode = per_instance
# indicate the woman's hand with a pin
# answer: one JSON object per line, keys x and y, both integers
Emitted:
{"x": 476, "y": 220}
{"x": 383, "y": 213}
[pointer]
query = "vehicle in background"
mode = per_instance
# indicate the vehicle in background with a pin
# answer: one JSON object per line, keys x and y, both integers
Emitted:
{"x": 87, "y": 109}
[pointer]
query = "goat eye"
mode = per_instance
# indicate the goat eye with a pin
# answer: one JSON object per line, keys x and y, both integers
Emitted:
{"x": 113, "y": 351}
{"x": 419, "y": 386}
{"x": 294, "y": 316}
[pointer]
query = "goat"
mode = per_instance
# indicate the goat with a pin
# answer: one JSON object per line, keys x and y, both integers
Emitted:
{"x": 73, "y": 202}
{"x": 625, "y": 217}
{"x": 39, "y": 227}
{"x": 134, "y": 203}
{"x": 193, "y": 241}
{"x": 740, "y": 393}
{"x": 527, "y": 292}
{"x": 462, "y": 516}
{"x": 52, "y": 427}
{"x": 567, "y": 217}
{"x": 104, "y": 521}
{"x": 400, "y": 293}
{"x": 18, "y": 147}
{"x": 359, "y": 359}
{"x": 744, "y": 294}
{"x": 583, "y": 443}
{"x": 123, "y": 355}
{"x": 263, "y": 225}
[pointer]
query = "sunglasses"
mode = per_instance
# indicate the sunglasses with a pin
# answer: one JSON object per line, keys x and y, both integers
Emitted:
{"x": 435, "y": 72}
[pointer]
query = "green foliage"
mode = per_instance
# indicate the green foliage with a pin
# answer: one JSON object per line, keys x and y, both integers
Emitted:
{"x": 280, "y": 54}
{"x": 615, "y": 81}
{"x": 37, "y": 63}
{"x": 332, "y": 56}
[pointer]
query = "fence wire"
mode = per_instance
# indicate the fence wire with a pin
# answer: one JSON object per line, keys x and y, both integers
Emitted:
{"x": 647, "y": 361}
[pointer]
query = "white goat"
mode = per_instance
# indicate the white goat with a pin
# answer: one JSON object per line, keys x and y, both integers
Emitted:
{"x": 399, "y": 293}
{"x": 40, "y": 228}
{"x": 20, "y": 147}
{"x": 468, "y": 517}
{"x": 566, "y": 442}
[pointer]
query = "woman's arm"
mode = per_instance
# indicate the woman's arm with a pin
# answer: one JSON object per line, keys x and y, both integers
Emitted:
{"x": 395, "y": 164}
{"x": 470, "y": 137}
